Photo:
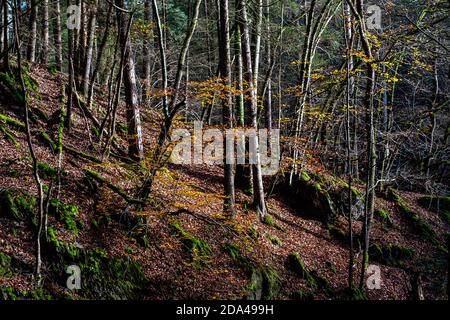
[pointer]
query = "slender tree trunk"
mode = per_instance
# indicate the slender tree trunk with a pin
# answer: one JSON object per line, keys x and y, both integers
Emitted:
{"x": 68, "y": 120}
{"x": 3, "y": 25}
{"x": 57, "y": 35}
{"x": 135, "y": 144}
{"x": 257, "y": 53}
{"x": 80, "y": 45}
{"x": 432, "y": 116}
{"x": 357, "y": 10}
{"x": 268, "y": 91}
{"x": 147, "y": 55}
{"x": 227, "y": 101}
{"x": 99, "y": 59}
{"x": 90, "y": 48}
{"x": 348, "y": 35}
{"x": 258, "y": 194}
{"x": 45, "y": 35}
{"x": 240, "y": 81}
{"x": 40, "y": 216}
{"x": 5, "y": 36}
{"x": 169, "y": 110}
{"x": 31, "y": 52}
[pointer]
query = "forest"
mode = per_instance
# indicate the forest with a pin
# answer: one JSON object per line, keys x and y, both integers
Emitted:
{"x": 224, "y": 150}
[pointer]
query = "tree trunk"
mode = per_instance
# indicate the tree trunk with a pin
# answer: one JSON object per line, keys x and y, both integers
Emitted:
{"x": 256, "y": 57}
{"x": 45, "y": 34}
{"x": 227, "y": 101}
{"x": 57, "y": 35}
{"x": 37, "y": 179}
{"x": 90, "y": 48}
{"x": 268, "y": 91}
{"x": 5, "y": 36}
{"x": 68, "y": 119}
{"x": 99, "y": 58}
{"x": 31, "y": 52}
{"x": 258, "y": 188}
{"x": 135, "y": 144}
{"x": 147, "y": 55}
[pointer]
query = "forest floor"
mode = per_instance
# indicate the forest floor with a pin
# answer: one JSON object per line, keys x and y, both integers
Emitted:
{"x": 172, "y": 271}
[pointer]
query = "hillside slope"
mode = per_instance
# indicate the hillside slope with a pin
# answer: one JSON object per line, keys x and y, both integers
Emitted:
{"x": 180, "y": 246}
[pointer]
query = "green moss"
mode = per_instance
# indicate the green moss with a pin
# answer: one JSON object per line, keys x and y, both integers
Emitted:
{"x": 297, "y": 265}
{"x": 46, "y": 171}
{"x": 391, "y": 254}
{"x": 317, "y": 187}
{"x": 200, "y": 249}
{"x": 253, "y": 232}
{"x": 337, "y": 233}
{"x": 5, "y": 265}
{"x": 312, "y": 278}
{"x": 9, "y": 136}
{"x": 101, "y": 180}
{"x": 356, "y": 193}
{"x": 274, "y": 240}
{"x": 232, "y": 250}
{"x": 66, "y": 214}
{"x": 17, "y": 207}
{"x": 12, "y": 81}
{"x": 95, "y": 131}
{"x": 270, "y": 220}
{"x": 103, "y": 277}
{"x": 122, "y": 128}
{"x": 46, "y": 137}
{"x": 421, "y": 227}
{"x": 129, "y": 250}
{"x": 321, "y": 283}
{"x": 304, "y": 176}
{"x": 265, "y": 282}
{"x": 271, "y": 282}
{"x": 384, "y": 217}
{"x": 9, "y": 80}
{"x": 8, "y": 293}
{"x": 12, "y": 122}
{"x": 65, "y": 252}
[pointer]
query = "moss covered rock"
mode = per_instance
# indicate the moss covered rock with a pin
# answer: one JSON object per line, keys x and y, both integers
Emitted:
{"x": 308, "y": 196}
{"x": 419, "y": 225}
{"x": 16, "y": 205}
{"x": 102, "y": 276}
{"x": 390, "y": 254}
{"x": 67, "y": 214}
{"x": 5, "y": 264}
{"x": 384, "y": 217}
{"x": 200, "y": 250}
{"x": 313, "y": 280}
{"x": 265, "y": 284}
{"x": 320, "y": 196}
{"x": 8, "y": 293}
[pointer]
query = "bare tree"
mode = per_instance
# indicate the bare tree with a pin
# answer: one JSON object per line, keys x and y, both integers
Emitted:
{"x": 31, "y": 52}
{"x": 225, "y": 72}
{"x": 258, "y": 187}
{"x": 57, "y": 35}
{"x": 135, "y": 144}
{"x": 25, "y": 108}
{"x": 45, "y": 33}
